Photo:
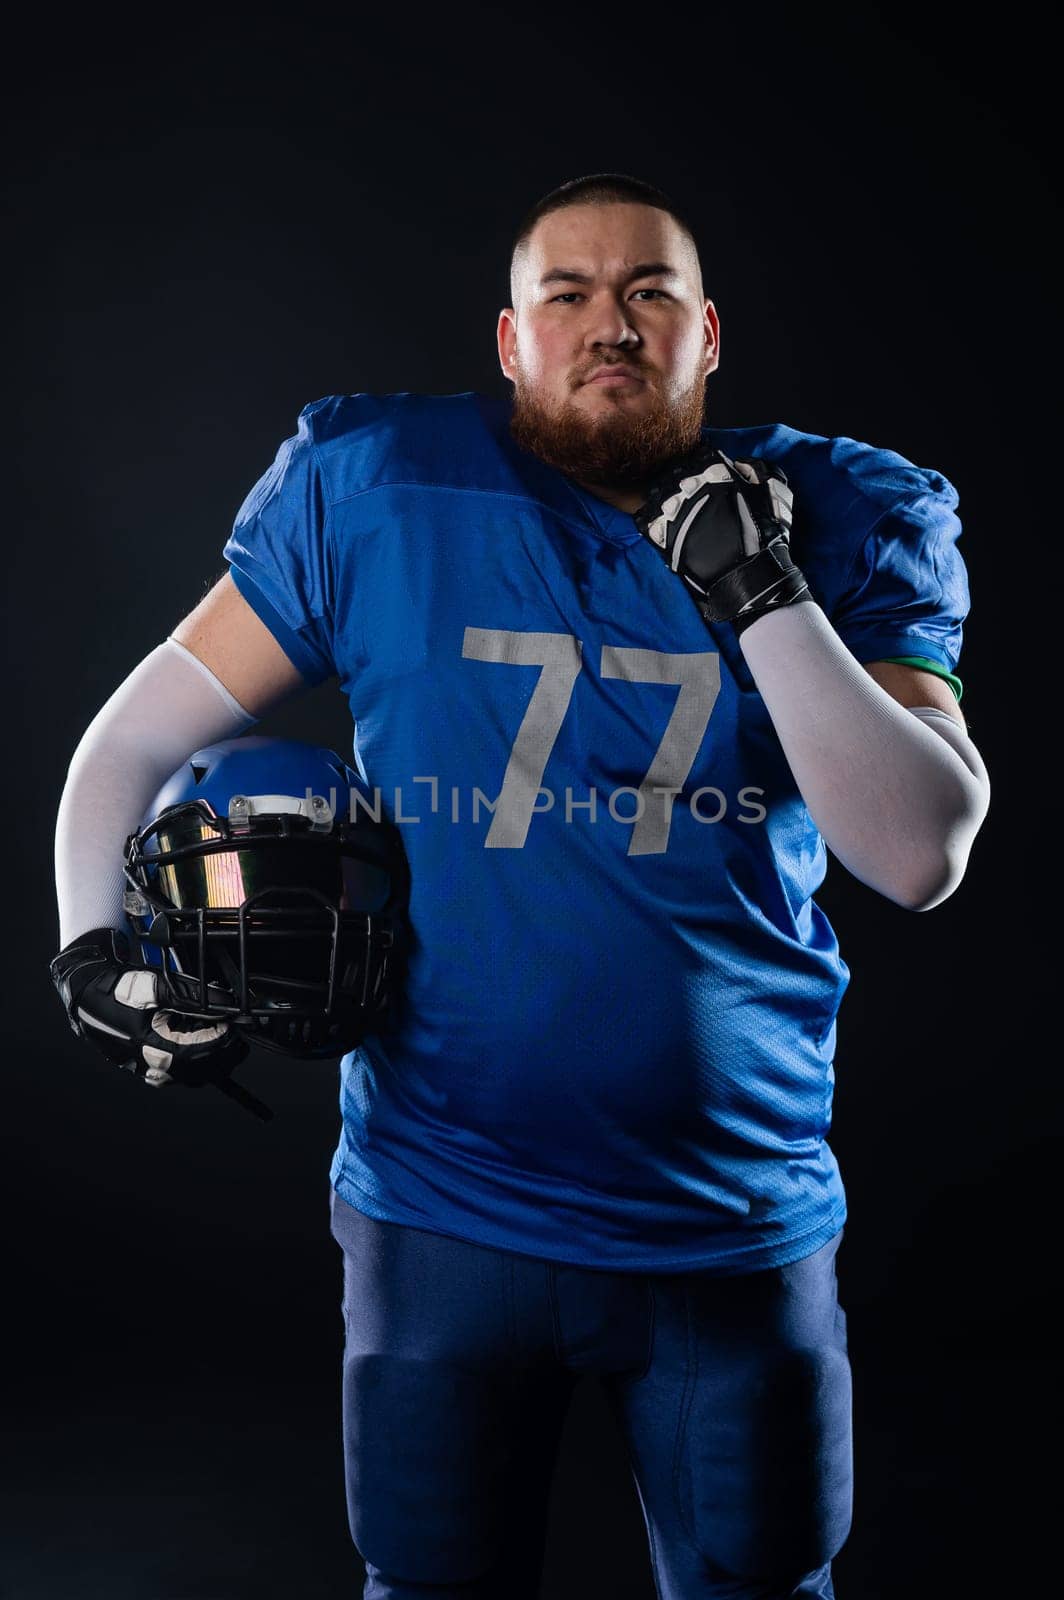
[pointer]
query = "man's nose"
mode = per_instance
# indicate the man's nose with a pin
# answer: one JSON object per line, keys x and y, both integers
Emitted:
{"x": 609, "y": 325}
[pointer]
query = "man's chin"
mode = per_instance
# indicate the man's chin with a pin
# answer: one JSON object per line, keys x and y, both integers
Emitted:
{"x": 610, "y": 445}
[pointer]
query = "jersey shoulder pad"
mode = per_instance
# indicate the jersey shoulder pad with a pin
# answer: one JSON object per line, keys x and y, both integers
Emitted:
{"x": 374, "y": 440}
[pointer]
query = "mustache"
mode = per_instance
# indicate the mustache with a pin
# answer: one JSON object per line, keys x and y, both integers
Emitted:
{"x": 607, "y": 366}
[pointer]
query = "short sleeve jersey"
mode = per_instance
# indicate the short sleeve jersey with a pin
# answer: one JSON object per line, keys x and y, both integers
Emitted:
{"x": 615, "y": 1043}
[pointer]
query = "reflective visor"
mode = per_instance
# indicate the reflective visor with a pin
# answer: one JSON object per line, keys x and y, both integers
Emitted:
{"x": 227, "y": 878}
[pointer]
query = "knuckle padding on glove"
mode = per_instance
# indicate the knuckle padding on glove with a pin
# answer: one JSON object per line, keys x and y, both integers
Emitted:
{"x": 137, "y": 988}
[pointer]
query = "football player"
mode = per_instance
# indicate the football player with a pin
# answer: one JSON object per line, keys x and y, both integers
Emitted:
{"x": 622, "y": 679}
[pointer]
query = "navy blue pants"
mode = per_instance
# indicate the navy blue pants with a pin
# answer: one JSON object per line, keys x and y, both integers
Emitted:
{"x": 732, "y": 1395}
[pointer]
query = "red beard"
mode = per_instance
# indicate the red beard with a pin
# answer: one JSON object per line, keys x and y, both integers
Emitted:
{"x": 618, "y": 449}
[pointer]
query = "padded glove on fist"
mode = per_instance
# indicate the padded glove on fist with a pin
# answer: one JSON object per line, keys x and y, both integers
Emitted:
{"x": 113, "y": 1002}
{"x": 724, "y": 527}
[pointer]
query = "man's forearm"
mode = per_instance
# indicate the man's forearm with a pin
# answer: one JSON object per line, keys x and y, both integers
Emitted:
{"x": 897, "y": 796}
{"x": 168, "y": 706}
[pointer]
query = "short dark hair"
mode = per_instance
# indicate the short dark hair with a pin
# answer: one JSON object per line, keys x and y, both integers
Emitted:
{"x": 596, "y": 189}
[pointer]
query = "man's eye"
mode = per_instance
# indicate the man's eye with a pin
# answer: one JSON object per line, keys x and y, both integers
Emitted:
{"x": 572, "y": 294}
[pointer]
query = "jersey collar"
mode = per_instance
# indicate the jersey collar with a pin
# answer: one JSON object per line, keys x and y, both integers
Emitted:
{"x": 551, "y": 487}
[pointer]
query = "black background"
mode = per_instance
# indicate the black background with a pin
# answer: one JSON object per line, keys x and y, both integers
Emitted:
{"x": 214, "y": 217}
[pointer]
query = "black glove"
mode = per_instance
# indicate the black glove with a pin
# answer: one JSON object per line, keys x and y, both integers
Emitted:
{"x": 723, "y": 526}
{"x": 111, "y": 1001}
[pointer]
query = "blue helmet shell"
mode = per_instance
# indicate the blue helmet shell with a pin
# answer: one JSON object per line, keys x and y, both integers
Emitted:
{"x": 256, "y": 764}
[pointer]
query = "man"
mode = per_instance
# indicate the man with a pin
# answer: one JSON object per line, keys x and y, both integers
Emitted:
{"x": 593, "y": 1136}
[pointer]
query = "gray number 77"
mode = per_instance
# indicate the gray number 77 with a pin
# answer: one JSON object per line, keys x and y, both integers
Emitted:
{"x": 559, "y": 655}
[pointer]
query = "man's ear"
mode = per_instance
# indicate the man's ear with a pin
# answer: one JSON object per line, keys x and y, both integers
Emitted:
{"x": 507, "y": 340}
{"x": 712, "y": 336}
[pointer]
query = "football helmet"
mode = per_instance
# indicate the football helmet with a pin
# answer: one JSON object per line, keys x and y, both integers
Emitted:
{"x": 268, "y": 889}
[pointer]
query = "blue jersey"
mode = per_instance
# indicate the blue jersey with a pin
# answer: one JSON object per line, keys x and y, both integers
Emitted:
{"x": 616, "y": 1039}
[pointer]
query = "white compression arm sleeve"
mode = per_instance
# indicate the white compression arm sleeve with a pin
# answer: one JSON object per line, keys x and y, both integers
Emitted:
{"x": 898, "y": 794}
{"x": 169, "y": 706}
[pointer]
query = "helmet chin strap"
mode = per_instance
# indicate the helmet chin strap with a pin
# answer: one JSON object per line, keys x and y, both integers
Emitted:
{"x": 244, "y": 1097}
{"x": 227, "y": 1086}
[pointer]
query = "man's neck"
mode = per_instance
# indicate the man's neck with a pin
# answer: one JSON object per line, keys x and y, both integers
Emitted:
{"x": 624, "y": 499}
